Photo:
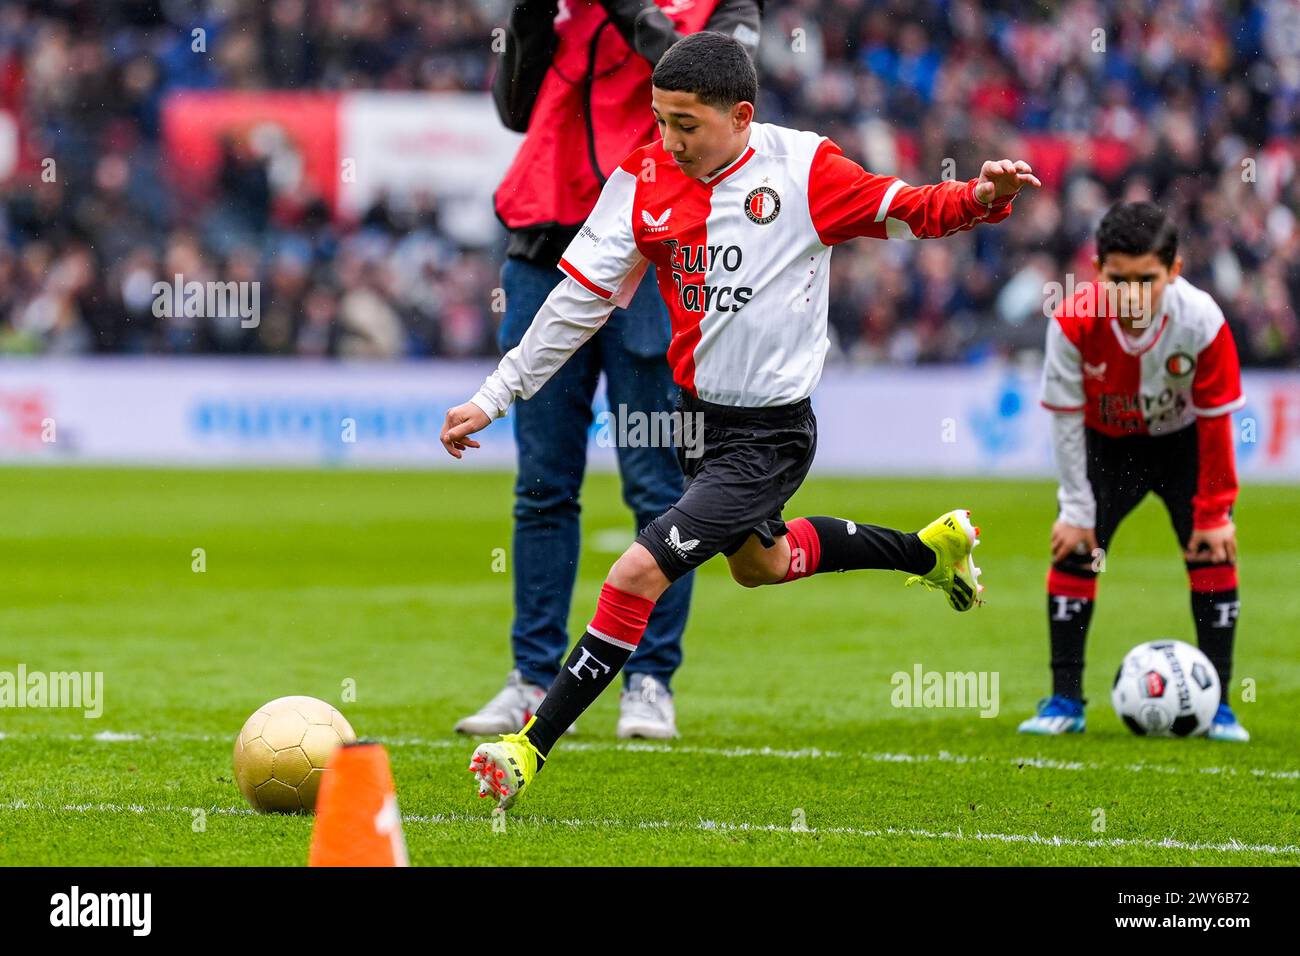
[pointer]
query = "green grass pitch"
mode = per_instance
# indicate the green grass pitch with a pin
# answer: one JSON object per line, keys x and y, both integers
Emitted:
{"x": 386, "y": 579}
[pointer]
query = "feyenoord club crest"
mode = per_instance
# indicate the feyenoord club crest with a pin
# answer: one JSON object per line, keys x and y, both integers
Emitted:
{"x": 1180, "y": 364}
{"x": 762, "y": 205}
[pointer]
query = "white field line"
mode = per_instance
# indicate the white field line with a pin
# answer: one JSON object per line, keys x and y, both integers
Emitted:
{"x": 714, "y": 826}
{"x": 807, "y": 753}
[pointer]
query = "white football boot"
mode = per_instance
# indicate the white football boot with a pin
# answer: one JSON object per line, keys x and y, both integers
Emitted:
{"x": 646, "y": 710}
{"x": 1226, "y": 727}
{"x": 509, "y": 710}
{"x": 1056, "y": 715}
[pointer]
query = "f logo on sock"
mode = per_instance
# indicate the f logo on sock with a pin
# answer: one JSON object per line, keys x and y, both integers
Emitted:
{"x": 1228, "y": 611}
{"x": 581, "y": 665}
{"x": 1065, "y": 607}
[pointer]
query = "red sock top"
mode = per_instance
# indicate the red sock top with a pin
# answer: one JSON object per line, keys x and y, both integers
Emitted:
{"x": 805, "y": 549}
{"x": 621, "y": 617}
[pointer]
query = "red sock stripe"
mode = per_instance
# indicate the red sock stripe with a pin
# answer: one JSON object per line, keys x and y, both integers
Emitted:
{"x": 621, "y": 615}
{"x": 1071, "y": 585}
{"x": 805, "y": 549}
{"x": 1213, "y": 577}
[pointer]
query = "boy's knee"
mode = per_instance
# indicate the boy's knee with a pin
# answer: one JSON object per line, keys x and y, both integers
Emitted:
{"x": 1076, "y": 565}
{"x": 637, "y": 572}
{"x": 769, "y": 567}
{"x": 747, "y": 576}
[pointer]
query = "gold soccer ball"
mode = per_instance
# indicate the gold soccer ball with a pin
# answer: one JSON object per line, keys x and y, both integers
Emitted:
{"x": 282, "y": 750}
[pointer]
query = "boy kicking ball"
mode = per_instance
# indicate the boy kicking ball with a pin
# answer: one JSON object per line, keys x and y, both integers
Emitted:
{"x": 739, "y": 219}
{"x": 1142, "y": 389}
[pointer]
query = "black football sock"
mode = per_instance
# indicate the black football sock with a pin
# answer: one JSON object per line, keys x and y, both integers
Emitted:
{"x": 592, "y": 666}
{"x": 1068, "y": 619}
{"x": 1070, "y": 597}
{"x": 594, "y": 662}
{"x": 819, "y": 544}
{"x": 1215, "y": 614}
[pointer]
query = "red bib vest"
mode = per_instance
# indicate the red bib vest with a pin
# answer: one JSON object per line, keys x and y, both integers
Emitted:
{"x": 593, "y": 109}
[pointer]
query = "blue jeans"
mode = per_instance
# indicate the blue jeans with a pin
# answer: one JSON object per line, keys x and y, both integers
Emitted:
{"x": 551, "y": 437}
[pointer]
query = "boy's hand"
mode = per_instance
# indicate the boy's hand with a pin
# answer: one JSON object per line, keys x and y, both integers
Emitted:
{"x": 998, "y": 179}
{"x": 463, "y": 420}
{"x": 1213, "y": 544}
{"x": 1067, "y": 540}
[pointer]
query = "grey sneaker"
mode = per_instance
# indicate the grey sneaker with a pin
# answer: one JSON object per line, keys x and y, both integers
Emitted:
{"x": 646, "y": 710}
{"x": 508, "y": 711}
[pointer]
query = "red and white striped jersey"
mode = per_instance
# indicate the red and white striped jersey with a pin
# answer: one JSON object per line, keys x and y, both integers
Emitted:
{"x": 742, "y": 259}
{"x": 1183, "y": 365}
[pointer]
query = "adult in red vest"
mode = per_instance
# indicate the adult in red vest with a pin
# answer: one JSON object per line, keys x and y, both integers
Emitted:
{"x": 575, "y": 77}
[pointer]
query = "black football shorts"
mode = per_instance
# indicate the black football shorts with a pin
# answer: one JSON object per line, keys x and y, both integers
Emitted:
{"x": 1123, "y": 470}
{"x": 741, "y": 466}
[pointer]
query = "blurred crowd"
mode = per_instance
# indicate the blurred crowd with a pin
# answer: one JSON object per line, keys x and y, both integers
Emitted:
{"x": 1198, "y": 100}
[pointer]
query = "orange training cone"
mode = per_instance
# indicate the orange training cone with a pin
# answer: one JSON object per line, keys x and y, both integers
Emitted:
{"x": 357, "y": 823}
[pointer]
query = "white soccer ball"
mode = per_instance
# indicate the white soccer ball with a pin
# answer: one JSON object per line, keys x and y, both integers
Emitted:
{"x": 1166, "y": 688}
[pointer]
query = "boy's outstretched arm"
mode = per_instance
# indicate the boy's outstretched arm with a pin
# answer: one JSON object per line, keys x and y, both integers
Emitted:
{"x": 603, "y": 268}
{"x": 570, "y": 316}
{"x": 848, "y": 202}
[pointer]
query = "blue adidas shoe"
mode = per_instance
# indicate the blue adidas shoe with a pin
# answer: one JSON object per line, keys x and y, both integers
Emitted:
{"x": 1225, "y": 727}
{"x": 1056, "y": 715}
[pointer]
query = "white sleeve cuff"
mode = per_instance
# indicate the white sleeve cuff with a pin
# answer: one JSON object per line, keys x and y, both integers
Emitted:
{"x": 490, "y": 408}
